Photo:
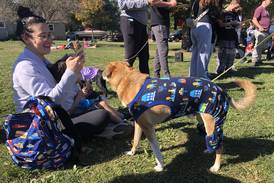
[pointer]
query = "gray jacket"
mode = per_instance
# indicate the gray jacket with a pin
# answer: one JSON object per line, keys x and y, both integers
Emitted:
{"x": 31, "y": 77}
{"x": 136, "y": 9}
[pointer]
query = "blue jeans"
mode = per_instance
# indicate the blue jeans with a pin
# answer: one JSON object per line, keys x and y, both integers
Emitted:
{"x": 201, "y": 37}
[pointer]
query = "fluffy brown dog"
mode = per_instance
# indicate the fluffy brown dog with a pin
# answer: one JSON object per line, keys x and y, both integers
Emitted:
{"x": 196, "y": 96}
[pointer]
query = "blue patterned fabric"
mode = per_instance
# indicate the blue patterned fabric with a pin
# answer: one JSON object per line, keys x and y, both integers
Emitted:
{"x": 184, "y": 96}
{"x": 34, "y": 139}
{"x": 214, "y": 141}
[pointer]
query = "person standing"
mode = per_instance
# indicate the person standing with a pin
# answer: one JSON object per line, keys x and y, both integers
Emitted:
{"x": 202, "y": 36}
{"x": 160, "y": 24}
{"x": 133, "y": 25}
{"x": 261, "y": 20}
{"x": 227, "y": 37}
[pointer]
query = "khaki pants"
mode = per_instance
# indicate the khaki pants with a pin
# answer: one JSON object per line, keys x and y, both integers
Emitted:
{"x": 257, "y": 52}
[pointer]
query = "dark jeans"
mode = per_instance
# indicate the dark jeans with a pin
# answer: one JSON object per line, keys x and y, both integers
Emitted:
{"x": 135, "y": 36}
{"x": 92, "y": 123}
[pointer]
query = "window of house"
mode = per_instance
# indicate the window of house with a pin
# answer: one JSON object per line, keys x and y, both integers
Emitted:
{"x": 2, "y": 25}
{"x": 51, "y": 27}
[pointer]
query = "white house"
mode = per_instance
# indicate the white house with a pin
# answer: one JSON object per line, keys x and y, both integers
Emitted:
{"x": 8, "y": 29}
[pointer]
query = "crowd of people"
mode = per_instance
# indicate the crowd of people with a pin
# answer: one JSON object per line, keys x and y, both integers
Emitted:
{"x": 222, "y": 25}
{"x": 215, "y": 25}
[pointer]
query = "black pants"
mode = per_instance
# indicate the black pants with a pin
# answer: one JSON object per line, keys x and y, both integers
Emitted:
{"x": 135, "y": 37}
{"x": 91, "y": 123}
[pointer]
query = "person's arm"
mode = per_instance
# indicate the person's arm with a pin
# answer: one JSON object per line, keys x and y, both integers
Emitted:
{"x": 257, "y": 24}
{"x": 35, "y": 83}
{"x": 169, "y": 4}
{"x": 132, "y": 4}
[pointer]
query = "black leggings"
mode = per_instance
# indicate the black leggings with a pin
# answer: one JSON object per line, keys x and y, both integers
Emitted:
{"x": 91, "y": 123}
{"x": 135, "y": 37}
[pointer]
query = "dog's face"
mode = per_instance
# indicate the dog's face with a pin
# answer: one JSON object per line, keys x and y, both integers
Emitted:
{"x": 115, "y": 72}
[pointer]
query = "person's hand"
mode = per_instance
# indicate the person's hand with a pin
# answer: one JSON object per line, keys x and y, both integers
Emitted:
{"x": 261, "y": 29}
{"x": 75, "y": 63}
{"x": 172, "y": 3}
{"x": 153, "y": 2}
{"x": 235, "y": 23}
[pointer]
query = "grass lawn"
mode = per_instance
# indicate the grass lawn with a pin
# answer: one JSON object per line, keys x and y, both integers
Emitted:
{"x": 249, "y": 135}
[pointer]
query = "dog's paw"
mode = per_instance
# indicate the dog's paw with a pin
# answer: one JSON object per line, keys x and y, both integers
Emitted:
{"x": 158, "y": 168}
{"x": 214, "y": 168}
{"x": 129, "y": 153}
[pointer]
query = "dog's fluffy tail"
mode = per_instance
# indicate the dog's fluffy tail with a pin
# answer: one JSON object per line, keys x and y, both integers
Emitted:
{"x": 249, "y": 96}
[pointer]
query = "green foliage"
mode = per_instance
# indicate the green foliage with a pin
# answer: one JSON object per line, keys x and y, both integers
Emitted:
{"x": 249, "y": 135}
{"x": 101, "y": 14}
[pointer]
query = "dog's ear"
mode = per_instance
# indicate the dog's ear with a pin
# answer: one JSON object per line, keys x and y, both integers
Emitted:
{"x": 108, "y": 71}
{"x": 126, "y": 63}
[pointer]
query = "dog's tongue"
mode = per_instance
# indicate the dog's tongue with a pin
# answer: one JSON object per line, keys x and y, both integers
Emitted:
{"x": 88, "y": 73}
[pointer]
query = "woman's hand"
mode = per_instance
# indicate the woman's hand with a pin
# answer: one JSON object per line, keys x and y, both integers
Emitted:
{"x": 75, "y": 63}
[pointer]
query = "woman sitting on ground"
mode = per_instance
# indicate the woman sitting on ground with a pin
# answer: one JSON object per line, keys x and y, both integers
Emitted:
{"x": 31, "y": 76}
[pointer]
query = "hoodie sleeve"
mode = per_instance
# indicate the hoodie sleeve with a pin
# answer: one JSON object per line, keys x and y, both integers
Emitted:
{"x": 36, "y": 83}
{"x": 132, "y": 4}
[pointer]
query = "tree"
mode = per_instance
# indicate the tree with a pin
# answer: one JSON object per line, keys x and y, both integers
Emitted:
{"x": 107, "y": 18}
{"x": 7, "y": 11}
{"x": 101, "y": 14}
{"x": 50, "y": 9}
{"x": 88, "y": 9}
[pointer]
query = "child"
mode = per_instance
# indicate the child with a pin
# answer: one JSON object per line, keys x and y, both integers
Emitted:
{"x": 250, "y": 33}
{"x": 227, "y": 37}
{"x": 86, "y": 99}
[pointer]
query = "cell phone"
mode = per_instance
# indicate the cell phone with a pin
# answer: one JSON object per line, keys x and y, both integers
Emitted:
{"x": 78, "y": 48}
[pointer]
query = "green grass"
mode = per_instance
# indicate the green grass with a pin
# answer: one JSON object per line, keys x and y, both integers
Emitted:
{"x": 249, "y": 135}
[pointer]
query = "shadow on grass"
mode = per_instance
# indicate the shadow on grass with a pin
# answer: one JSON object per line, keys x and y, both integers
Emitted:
{"x": 193, "y": 165}
{"x": 175, "y": 49}
{"x": 233, "y": 86}
{"x": 2, "y": 135}
{"x": 103, "y": 149}
{"x": 250, "y": 72}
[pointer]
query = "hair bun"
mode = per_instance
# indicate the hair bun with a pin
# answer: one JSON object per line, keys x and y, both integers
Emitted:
{"x": 24, "y": 12}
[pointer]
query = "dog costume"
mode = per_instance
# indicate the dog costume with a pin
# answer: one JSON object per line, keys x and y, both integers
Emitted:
{"x": 184, "y": 96}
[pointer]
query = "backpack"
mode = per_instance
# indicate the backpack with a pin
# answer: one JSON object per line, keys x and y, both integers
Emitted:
{"x": 34, "y": 138}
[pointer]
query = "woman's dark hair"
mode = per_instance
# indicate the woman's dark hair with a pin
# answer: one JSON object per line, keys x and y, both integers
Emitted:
{"x": 204, "y": 3}
{"x": 26, "y": 19}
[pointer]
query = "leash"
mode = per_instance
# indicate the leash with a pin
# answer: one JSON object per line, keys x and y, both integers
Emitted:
{"x": 137, "y": 52}
{"x": 241, "y": 60}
